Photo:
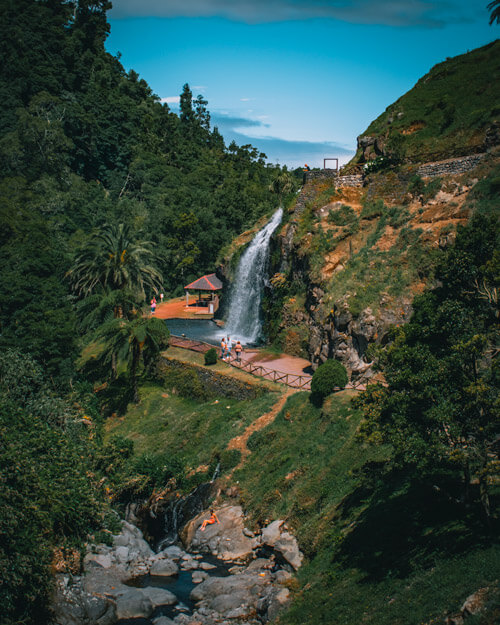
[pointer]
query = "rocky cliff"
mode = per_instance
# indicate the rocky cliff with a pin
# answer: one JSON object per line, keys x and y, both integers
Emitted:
{"x": 352, "y": 257}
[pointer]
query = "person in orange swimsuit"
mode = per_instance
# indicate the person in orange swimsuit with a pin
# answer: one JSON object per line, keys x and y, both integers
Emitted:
{"x": 213, "y": 519}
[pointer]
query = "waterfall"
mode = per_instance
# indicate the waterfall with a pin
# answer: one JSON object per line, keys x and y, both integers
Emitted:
{"x": 244, "y": 320}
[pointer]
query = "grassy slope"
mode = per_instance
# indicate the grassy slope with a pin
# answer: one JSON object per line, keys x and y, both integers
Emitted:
{"x": 448, "y": 110}
{"x": 381, "y": 548}
{"x": 193, "y": 431}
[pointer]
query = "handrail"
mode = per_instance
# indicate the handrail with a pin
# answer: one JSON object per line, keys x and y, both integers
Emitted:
{"x": 293, "y": 380}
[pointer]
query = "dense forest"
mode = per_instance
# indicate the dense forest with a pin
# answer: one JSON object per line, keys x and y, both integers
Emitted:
{"x": 90, "y": 158}
{"x": 85, "y": 145}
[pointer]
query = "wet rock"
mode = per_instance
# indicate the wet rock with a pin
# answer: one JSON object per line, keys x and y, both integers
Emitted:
{"x": 206, "y": 566}
{"x": 199, "y": 576}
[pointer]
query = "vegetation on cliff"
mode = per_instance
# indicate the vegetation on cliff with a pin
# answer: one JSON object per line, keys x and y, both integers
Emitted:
{"x": 449, "y": 112}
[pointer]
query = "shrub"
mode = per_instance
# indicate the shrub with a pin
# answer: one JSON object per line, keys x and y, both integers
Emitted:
{"x": 372, "y": 209}
{"x": 187, "y": 384}
{"x": 327, "y": 376}
{"x": 343, "y": 216}
{"x": 211, "y": 356}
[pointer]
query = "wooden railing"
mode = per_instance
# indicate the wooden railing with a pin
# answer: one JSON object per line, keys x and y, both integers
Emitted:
{"x": 289, "y": 379}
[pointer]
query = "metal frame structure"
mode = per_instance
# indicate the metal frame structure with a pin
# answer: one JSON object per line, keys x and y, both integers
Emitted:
{"x": 331, "y": 159}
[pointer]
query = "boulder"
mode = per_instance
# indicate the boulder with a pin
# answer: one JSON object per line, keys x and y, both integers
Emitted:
{"x": 277, "y": 603}
{"x": 272, "y": 532}
{"x": 199, "y": 576}
{"x": 72, "y": 605}
{"x": 226, "y": 539}
{"x": 164, "y": 568}
{"x": 283, "y": 542}
{"x": 173, "y": 552}
{"x": 97, "y": 559}
{"x": 159, "y": 596}
{"x": 133, "y": 603}
{"x": 288, "y": 546}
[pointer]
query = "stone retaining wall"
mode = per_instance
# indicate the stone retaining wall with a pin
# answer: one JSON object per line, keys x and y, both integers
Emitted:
{"x": 448, "y": 167}
{"x": 330, "y": 174}
{"x": 212, "y": 382}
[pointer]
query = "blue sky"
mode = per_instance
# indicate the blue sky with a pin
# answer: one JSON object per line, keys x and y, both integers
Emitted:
{"x": 298, "y": 80}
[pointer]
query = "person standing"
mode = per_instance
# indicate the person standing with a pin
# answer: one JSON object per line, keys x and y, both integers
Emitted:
{"x": 228, "y": 348}
{"x": 161, "y": 298}
{"x": 153, "y": 305}
{"x": 223, "y": 348}
{"x": 237, "y": 350}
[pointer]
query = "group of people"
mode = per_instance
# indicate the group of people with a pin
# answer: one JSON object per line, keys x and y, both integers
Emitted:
{"x": 153, "y": 303}
{"x": 226, "y": 348}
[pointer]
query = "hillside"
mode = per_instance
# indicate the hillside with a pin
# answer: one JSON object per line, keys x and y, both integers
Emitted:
{"x": 352, "y": 256}
{"x": 451, "y": 111}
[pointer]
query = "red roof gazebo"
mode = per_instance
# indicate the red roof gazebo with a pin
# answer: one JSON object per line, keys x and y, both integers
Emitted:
{"x": 208, "y": 284}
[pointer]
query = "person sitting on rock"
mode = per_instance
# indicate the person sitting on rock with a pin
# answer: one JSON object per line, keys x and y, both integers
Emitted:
{"x": 213, "y": 519}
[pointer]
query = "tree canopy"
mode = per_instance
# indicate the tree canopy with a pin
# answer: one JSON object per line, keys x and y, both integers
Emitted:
{"x": 441, "y": 403}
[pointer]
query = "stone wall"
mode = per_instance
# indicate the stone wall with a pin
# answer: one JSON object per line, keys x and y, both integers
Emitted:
{"x": 355, "y": 180}
{"x": 450, "y": 167}
{"x": 214, "y": 383}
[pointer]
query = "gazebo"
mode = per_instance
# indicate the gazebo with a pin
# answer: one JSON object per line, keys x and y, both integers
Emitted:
{"x": 207, "y": 300}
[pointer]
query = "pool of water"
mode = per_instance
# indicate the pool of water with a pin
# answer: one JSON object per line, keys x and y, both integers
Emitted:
{"x": 201, "y": 330}
{"x": 180, "y": 585}
{"x": 197, "y": 329}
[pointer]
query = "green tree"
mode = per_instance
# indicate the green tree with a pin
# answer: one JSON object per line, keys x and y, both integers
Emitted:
{"x": 282, "y": 184}
{"x": 494, "y": 7}
{"x": 440, "y": 405}
{"x": 133, "y": 340}
{"x": 115, "y": 260}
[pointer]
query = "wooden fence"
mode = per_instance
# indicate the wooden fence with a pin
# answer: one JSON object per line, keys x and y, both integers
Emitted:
{"x": 289, "y": 379}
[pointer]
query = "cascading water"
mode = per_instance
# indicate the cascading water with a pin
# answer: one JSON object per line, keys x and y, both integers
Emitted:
{"x": 244, "y": 320}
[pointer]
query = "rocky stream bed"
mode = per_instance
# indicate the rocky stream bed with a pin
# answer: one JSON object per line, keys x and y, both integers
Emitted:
{"x": 224, "y": 575}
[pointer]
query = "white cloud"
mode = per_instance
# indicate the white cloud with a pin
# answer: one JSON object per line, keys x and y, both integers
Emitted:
{"x": 424, "y": 13}
{"x": 174, "y": 99}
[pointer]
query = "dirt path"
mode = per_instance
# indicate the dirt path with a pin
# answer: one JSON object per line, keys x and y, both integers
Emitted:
{"x": 240, "y": 442}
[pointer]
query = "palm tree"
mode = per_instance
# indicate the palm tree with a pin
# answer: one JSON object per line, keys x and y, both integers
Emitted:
{"x": 98, "y": 308}
{"x": 282, "y": 184}
{"x": 132, "y": 340}
{"x": 494, "y": 7}
{"x": 115, "y": 260}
